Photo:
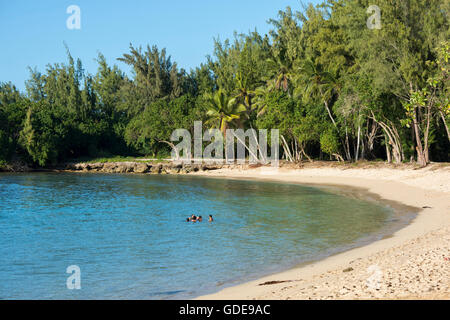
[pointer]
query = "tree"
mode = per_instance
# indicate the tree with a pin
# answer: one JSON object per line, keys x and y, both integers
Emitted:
{"x": 285, "y": 50}
{"x": 313, "y": 82}
{"x": 244, "y": 96}
{"x": 329, "y": 83}
{"x": 156, "y": 77}
{"x": 401, "y": 51}
{"x": 330, "y": 143}
{"x": 42, "y": 135}
{"x": 107, "y": 85}
{"x": 150, "y": 132}
{"x": 13, "y": 106}
{"x": 284, "y": 113}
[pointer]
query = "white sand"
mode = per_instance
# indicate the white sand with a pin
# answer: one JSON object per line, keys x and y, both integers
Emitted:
{"x": 412, "y": 264}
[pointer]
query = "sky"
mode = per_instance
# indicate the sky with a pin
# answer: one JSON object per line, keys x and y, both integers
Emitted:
{"x": 33, "y": 33}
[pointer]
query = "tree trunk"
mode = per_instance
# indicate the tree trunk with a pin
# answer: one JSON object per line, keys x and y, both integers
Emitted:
{"x": 427, "y": 131}
{"x": 302, "y": 152}
{"x": 297, "y": 154}
{"x": 357, "y": 143}
{"x": 329, "y": 113}
{"x": 177, "y": 153}
{"x": 259, "y": 147}
{"x": 338, "y": 157}
{"x": 224, "y": 128}
{"x": 394, "y": 139}
{"x": 347, "y": 145}
{"x": 371, "y": 136}
{"x": 286, "y": 149}
{"x": 388, "y": 151}
{"x": 420, "y": 152}
{"x": 255, "y": 156}
{"x": 346, "y": 148}
{"x": 445, "y": 124}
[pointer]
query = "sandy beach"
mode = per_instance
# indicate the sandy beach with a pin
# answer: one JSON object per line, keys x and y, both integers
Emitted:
{"x": 414, "y": 263}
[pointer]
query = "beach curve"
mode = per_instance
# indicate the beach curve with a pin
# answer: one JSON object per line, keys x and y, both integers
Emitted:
{"x": 414, "y": 263}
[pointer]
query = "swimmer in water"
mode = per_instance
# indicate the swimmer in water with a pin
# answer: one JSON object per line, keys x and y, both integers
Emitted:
{"x": 200, "y": 219}
{"x": 211, "y": 218}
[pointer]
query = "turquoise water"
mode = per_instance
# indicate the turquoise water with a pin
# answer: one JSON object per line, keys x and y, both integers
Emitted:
{"x": 128, "y": 234}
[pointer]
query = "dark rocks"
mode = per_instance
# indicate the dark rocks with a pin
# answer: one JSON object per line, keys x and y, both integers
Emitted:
{"x": 156, "y": 169}
{"x": 15, "y": 167}
{"x": 210, "y": 167}
{"x": 271, "y": 283}
{"x": 141, "y": 168}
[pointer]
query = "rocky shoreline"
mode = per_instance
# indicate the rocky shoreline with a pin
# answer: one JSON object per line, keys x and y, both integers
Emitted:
{"x": 141, "y": 167}
{"x": 122, "y": 167}
{"x": 15, "y": 167}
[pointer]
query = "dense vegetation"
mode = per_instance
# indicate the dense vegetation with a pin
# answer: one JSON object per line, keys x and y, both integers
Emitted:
{"x": 335, "y": 88}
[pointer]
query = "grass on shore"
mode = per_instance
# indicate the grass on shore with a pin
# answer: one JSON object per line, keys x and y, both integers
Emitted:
{"x": 117, "y": 159}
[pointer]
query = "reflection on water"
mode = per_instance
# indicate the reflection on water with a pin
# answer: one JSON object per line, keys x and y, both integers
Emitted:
{"x": 128, "y": 233}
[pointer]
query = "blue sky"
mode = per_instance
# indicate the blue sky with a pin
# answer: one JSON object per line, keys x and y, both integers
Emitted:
{"x": 33, "y": 32}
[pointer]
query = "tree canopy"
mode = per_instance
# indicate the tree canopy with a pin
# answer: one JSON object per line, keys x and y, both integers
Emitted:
{"x": 335, "y": 88}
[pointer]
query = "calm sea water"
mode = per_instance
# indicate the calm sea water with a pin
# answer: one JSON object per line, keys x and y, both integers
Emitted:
{"x": 128, "y": 234}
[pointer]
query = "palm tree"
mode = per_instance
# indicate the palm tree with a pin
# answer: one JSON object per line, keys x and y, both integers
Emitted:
{"x": 260, "y": 100}
{"x": 313, "y": 81}
{"x": 281, "y": 69}
{"x": 222, "y": 111}
{"x": 244, "y": 95}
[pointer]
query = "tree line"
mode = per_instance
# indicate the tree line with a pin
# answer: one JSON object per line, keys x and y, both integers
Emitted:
{"x": 335, "y": 89}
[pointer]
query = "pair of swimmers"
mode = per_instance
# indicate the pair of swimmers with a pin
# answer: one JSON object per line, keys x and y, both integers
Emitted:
{"x": 194, "y": 218}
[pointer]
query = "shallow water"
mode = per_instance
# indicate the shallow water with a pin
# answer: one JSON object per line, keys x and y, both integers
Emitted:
{"x": 128, "y": 234}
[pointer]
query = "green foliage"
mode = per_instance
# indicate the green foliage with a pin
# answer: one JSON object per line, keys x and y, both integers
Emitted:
{"x": 326, "y": 81}
{"x": 42, "y": 135}
{"x": 222, "y": 112}
{"x": 245, "y": 57}
{"x": 12, "y": 112}
{"x": 278, "y": 105}
{"x": 156, "y": 77}
{"x": 149, "y": 132}
{"x": 4, "y": 140}
{"x": 329, "y": 142}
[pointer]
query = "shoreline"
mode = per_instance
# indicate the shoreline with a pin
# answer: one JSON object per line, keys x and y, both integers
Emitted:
{"x": 412, "y": 261}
